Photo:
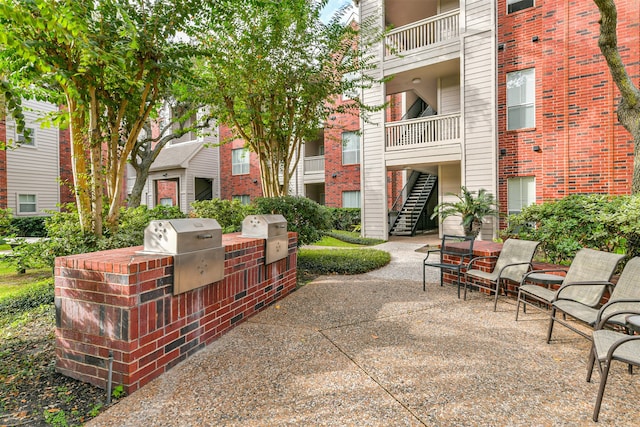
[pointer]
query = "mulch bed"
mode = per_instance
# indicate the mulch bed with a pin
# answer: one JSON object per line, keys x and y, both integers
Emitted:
{"x": 31, "y": 392}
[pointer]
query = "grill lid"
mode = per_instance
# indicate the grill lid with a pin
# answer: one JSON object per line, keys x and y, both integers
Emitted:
{"x": 264, "y": 226}
{"x": 176, "y": 236}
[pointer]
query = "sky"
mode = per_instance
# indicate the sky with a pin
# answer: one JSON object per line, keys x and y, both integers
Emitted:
{"x": 334, "y": 5}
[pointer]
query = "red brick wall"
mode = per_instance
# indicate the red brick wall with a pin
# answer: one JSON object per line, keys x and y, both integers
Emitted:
{"x": 237, "y": 185}
{"x": 66, "y": 170}
{"x": 347, "y": 177}
{"x": 122, "y": 301}
{"x": 584, "y": 149}
{"x": 3, "y": 167}
{"x": 166, "y": 189}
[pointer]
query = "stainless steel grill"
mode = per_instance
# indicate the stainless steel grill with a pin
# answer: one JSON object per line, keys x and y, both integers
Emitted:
{"x": 196, "y": 246}
{"x": 273, "y": 228}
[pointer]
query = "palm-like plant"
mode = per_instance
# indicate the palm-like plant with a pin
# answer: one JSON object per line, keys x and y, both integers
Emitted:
{"x": 473, "y": 209}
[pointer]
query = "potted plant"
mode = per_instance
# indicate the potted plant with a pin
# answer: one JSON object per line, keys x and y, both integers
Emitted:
{"x": 473, "y": 209}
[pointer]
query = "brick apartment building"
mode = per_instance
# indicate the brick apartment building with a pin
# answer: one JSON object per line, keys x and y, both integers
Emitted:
{"x": 512, "y": 96}
{"x": 566, "y": 138}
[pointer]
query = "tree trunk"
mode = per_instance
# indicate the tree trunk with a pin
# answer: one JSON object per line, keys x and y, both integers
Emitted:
{"x": 629, "y": 106}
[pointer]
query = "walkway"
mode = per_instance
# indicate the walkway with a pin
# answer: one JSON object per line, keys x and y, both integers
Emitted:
{"x": 374, "y": 350}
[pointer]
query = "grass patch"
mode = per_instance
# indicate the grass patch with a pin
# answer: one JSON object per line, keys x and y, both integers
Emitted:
{"x": 332, "y": 241}
{"x": 353, "y": 237}
{"x": 341, "y": 261}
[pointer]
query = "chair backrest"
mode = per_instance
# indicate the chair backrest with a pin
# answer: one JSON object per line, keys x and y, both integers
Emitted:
{"x": 516, "y": 251}
{"x": 590, "y": 265}
{"x": 627, "y": 287}
{"x": 456, "y": 246}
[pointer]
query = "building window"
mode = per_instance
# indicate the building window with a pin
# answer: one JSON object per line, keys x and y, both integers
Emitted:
{"x": 350, "y": 90}
{"x": 350, "y": 148}
{"x": 243, "y": 198}
{"x": 516, "y": 5}
{"x": 351, "y": 199}
{"x": 166, "y": 201}
{"x": 521, "y": 99}
{"x": 27, "y": 204}
{"x": 521, "y": 192}
{"x": 240, "y": 161}
{"x": 21, "y": 140}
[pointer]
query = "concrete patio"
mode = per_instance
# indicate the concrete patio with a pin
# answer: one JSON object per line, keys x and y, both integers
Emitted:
{"x": 375, "y": 350}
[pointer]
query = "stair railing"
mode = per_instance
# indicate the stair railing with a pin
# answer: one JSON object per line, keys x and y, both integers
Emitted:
{"x": 402, "y": 197}
{"x": 428, "y": 189}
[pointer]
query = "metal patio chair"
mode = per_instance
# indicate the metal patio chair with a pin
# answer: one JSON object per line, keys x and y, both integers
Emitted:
{"x": 589, "y": 265}
{"x": 609, "y": 346}
{"x": 454, "y": 254}
{"x": 512, "y": 264}
{"x": 624, "y": 297}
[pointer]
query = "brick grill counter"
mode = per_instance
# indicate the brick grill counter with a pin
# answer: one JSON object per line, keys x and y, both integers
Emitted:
{"x": 122, "y": 301}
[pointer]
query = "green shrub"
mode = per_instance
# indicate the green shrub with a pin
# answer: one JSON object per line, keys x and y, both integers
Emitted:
{"x": 28, "y": 297}
{"x": 64, "y": 236}
{"x": 564, "y": 226}
{"x": 6, "y": 229}
{"x": 341, "y": 261}
{"x": 132, "y": 222}
{"x": 29, "y": 226}
{"x": 304, "y": 216}
{"x": 350, "y": 237}
{"x": 228, "y": 213}
{"x": 345, "y": 219}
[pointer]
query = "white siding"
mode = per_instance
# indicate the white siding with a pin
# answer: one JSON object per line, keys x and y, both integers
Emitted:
{"x": 373, "y": 172}
{"x": 449, "y": 95}
{"x": 34, "y": 169}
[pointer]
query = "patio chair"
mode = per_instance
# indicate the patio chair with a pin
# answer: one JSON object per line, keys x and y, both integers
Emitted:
{"x": 608, "y": 346}
{"x": 453, "y": 255}
{"x": 588, "y": 265}
{"x": 512, "y": 264}
{"x": 625, "y": 296}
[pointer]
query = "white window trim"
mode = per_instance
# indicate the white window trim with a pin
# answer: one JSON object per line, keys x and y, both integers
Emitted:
{"x": 522, "y": 203}
{"x": 246, "y": 162}
{"x": 524, "y": 104}
{"x": 18, "y": 204}
{"x": 357, "y": 150}
{"x": 34, "y": 140}
{"x": 509, "y": 2}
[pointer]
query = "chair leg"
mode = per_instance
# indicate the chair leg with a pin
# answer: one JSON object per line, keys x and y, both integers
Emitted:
{"x": 603, "y": 384}
{"x": 424, "y": 277}
{"x": 495, "y": 301}
{"x": 466, "y": 282}
{"x": 591, "y": 363}
{"x": 518, "y": 305}
{"x": 458, "y": 284}
{"x": 551, "y": 320}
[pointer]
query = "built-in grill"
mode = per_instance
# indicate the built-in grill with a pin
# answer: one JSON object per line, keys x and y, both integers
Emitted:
{"x": 196, "y": 246}
{"x": 273, "y": 228}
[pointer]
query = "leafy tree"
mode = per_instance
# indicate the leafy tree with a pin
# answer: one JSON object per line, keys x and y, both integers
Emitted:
{"x": 272, "y": 73}
{"x": 110, "y": 62}
{"x": 629, "y": 106}
{"x": 148, "y": 146}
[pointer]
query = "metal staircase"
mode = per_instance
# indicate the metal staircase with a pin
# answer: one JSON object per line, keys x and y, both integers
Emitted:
{"x": 414, "y": 206}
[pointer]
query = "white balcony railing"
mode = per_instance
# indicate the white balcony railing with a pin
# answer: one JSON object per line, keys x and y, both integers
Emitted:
{"x": 423, "y": 33}
{"x": 426, "y": 130}
{"x": 313, "y": 164}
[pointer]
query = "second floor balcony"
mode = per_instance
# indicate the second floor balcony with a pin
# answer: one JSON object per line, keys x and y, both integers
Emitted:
{"x": 422, "y": 132}
{"x": 313, "y": 169}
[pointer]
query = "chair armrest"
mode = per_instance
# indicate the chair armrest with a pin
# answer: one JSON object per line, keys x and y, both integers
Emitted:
{"x": 480, "y": 258}
{"x": 604, "y": 319}
{"x": 554, "y": 270}
{"x": 573, "y": 284}
{"x": 513, "y": 265}
{"x": 432, "y": 251}
{"x": 618, "y": 343}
